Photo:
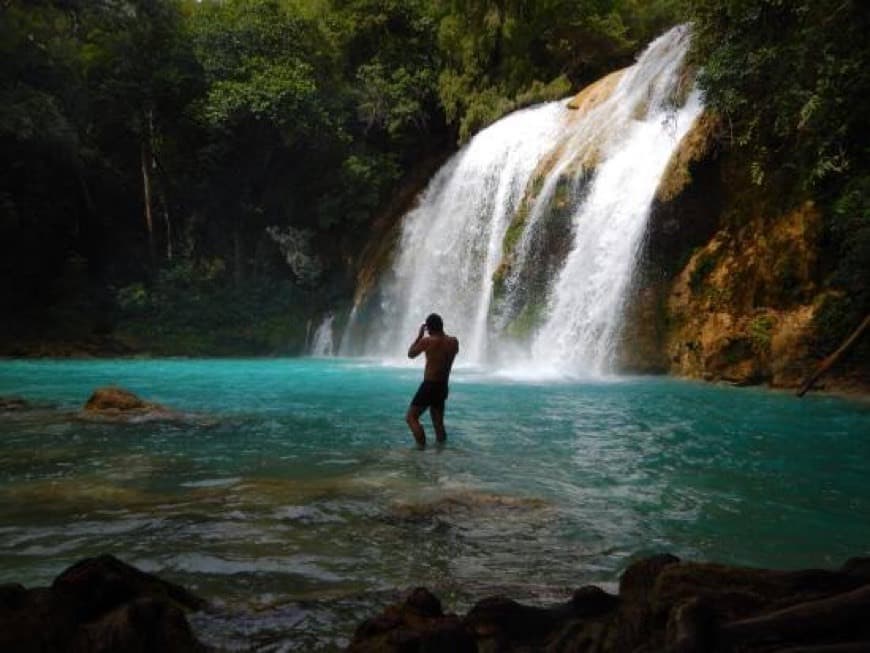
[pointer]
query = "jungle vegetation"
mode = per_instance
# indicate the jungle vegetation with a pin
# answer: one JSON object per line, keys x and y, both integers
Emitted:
{"x": 201, "y": 175}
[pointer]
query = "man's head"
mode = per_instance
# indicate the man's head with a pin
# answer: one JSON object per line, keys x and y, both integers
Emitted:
{"x": 434, "y": 324}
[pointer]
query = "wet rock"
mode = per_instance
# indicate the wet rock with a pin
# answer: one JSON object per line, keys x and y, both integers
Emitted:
{"x": 664, "y": 605}
{"x": 637, "y": 582}
{"x": 117, "y": 404}
{"x": 96, "y": 606}
{"x": 95, "y": 585}
{"x": 505, "y": 620}
{"x": 592, "y": 601}
{"x": 114, "y": 400}
{"x": 140, "y": 626}
{"x": 416, "y": 625}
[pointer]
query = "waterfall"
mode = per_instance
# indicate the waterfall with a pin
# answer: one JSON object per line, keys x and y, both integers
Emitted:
{"x": 323, "y": 343}
{"x": 451, "y": 243}
{"x": 643, "y": 128}
{"x": 527, "y": 239}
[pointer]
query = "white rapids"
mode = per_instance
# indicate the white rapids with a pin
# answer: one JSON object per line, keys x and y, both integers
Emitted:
{"x": 452, "y": 244}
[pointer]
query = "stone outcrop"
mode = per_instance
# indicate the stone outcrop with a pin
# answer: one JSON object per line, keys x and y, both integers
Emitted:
{"x": 115, "y": 403}
{"x": 731, "y": 282}
{"x": 416, "y": 624}
{"x": 103, "y": 605}
{"x": 663, "y": 604}
{"x": 99, "y": 605}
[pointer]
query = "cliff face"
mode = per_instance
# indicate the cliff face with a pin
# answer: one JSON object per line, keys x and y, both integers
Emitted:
{"x": 730, "y": 283}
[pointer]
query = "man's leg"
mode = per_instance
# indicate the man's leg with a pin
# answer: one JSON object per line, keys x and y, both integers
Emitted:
{"x": 437, "y": 413}
{"x": 413, "y": 419}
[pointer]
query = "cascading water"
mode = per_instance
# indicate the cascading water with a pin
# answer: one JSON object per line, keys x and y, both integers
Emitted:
{"x": 643, "y": 128}
{"x": 528, "y": 238}
{"x": 451, "y": 244}
{"x": 323, "y": 342}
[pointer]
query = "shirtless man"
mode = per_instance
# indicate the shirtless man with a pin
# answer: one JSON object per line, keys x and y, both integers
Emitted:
{"x": 440, "y": 350}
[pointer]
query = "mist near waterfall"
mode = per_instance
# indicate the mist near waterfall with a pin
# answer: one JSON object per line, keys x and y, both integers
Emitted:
{"x": 527, "y": 240}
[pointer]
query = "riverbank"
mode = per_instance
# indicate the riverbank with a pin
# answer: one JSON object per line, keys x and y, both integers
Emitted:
{"x": 663, "y": 604}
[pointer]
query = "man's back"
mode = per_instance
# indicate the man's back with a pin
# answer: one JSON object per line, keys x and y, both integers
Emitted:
{"x": 440, "y": 350}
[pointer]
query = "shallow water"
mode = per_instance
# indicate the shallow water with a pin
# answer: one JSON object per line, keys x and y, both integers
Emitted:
{"x": 291, "y": 496}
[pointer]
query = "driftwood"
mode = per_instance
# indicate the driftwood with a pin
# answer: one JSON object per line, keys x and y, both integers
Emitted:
{"x": 837, "y": 614}
{"x": 831, "y": 360}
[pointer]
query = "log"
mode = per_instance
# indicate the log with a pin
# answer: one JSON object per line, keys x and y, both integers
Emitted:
{"x": 801, "y": 622}
{"x": 831, "y": 360}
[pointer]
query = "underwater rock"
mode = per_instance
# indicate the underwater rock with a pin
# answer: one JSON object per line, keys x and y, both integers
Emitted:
{"x": 9, "y": 404}
{"x": 465, "y": 502}
{"x": 96, "y": 606}
{"x": 664, "y": 604}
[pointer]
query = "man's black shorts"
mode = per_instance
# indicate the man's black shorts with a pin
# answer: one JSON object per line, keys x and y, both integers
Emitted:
{"x": 430, "y": 393}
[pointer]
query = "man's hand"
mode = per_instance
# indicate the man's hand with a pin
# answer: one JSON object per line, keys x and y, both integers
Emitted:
{"x": 419, "y": 345}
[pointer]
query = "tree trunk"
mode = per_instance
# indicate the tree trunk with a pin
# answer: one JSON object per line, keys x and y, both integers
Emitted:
{"x": 831, "y": 360}
{"x": 90, "y": 230}
{"x": 147, "y": 164}
{"x": 238, "y": 269}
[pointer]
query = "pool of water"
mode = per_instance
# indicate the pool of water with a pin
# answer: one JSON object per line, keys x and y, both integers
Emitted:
{"x": 291, "y": 496}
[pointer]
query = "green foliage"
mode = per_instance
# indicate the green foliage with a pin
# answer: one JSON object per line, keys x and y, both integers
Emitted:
{"x": 849, "y": 232}
{"x": 833, "y": 321}
{"x": 159, "y": 140}
{"x": 134, "y": 298}
{"x": 790, "y": 78}
{"x": 792, "y": 82}
{"x": 193, "y": 310}
{"x": 257, "y": 57}
{"x": 528, "y": 320}
{"x": 761, "y": 331}
{"x": 503, "y": 54}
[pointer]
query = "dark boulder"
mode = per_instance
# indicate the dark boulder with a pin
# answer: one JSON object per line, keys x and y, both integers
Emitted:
{"x": 663, "y": 605}
{"x": 96, "y": 606}
{"x": 416, "y": 625}
{"x": 96, "y": 585}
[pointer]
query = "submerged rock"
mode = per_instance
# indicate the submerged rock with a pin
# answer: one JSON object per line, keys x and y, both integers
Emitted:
{"x": 96, "y": 606}
{"x": 664, "y": 604}
{"x": 467, "y": 502}
{"x": 10, "y": 404}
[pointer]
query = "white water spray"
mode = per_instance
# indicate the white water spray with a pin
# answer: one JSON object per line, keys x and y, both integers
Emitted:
{"x": 323, "y": 343}
{"x": 603, "y": 164}
{"x": 586, "y": 301}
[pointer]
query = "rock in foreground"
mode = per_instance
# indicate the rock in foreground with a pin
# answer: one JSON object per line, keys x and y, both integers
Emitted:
{"x": 663, "y": 605}
{"x": 99, "y": 605}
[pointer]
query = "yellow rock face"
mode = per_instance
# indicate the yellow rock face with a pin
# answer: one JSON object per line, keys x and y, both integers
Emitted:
{"x": 594, "y": 94}
{"x": 732, "y": 321}
{"x": 695, "y": 146}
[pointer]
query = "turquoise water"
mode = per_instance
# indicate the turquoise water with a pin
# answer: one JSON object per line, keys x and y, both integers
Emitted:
{"x": 291, "y": 496}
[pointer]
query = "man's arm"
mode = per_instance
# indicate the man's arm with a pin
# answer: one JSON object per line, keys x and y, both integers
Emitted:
{"x": 419, "y": 345}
